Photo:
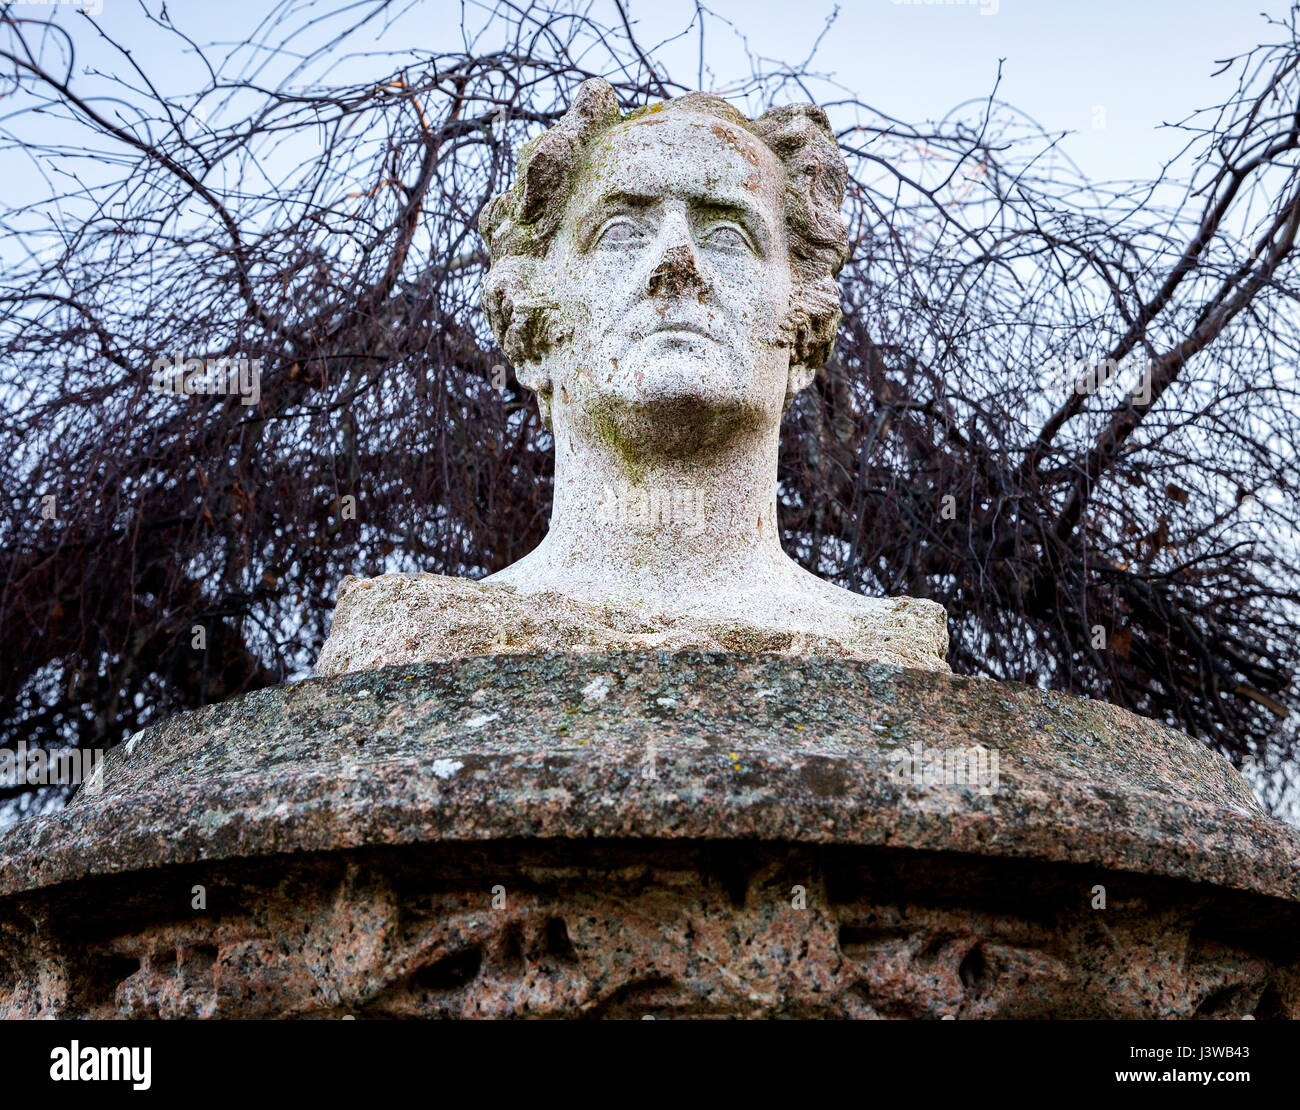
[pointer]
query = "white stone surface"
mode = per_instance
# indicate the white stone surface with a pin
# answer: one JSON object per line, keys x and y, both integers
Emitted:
{"x": 409, "y": 618}
{"x": 665, "y": 283}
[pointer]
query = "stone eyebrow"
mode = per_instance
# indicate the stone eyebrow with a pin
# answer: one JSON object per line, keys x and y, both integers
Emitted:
{"x": 624, "y": 198}
{"x": 606, "y": 203}
{"x": 620, "y": 199}
{"x": 745, "y": 215}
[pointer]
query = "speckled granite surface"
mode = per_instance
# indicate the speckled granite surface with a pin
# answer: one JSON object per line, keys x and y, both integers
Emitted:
{"x": 746, "y": 746}
{"x": 630, "y": 929}
{"x": 425, "y": 618}
{"x": 635, "y": 783}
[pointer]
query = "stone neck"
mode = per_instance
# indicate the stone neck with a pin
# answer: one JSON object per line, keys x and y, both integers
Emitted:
{"x": 659, "y": 528}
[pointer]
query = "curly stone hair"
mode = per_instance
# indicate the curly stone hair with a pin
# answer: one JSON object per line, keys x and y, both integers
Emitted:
{"x": 519, "y": 224}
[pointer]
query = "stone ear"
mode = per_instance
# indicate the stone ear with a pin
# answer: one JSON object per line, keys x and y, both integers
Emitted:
{"x": 793, "y": 332}
{"x": 532, "y": 375}
{"x": 800, "y": 378}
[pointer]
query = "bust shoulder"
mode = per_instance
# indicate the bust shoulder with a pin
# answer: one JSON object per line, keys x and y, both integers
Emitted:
{"x": 398, "y": 619}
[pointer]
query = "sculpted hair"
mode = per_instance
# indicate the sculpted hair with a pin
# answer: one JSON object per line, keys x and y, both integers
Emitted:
{"x": 519, "y": 224}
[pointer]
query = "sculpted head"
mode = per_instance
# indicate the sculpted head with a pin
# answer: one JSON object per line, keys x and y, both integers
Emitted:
{"x": 666, "y": 279}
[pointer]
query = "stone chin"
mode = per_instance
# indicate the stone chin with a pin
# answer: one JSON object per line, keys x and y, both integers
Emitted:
{"x": 672, "y": 424}
{"x": 673, "y": 408}
{"x": 674, "y": 394}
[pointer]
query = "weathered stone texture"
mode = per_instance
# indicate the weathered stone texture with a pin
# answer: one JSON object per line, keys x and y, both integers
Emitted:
{"x": 422, "y": 618}
{"x": 648, "y": 818}
{"x": 666, "y": 930}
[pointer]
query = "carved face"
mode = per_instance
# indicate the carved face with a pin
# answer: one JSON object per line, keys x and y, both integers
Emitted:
{"x": 671, "y": 273}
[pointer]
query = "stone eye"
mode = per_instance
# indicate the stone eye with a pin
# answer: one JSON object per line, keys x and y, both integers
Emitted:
{"x": 727, "y": 237}
{"x": 618, "y": 232}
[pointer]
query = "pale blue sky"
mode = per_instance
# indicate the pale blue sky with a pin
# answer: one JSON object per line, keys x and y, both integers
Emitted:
{"x": 1143, "y": 61}
{"x": 1128, "y": 65}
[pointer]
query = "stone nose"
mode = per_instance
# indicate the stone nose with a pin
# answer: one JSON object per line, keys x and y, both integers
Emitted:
{"x": 678, "y": 269}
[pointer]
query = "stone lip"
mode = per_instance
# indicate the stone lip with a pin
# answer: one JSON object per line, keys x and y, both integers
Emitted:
{"x": 636, "y": 746}
{"x": 398, "y": 619}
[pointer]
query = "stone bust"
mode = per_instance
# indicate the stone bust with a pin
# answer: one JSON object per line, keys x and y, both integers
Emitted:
{"x": 665, "y": 282}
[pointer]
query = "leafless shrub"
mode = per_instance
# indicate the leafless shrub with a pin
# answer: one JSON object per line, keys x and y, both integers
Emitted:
{"x": 1139, "y": 550}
